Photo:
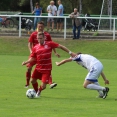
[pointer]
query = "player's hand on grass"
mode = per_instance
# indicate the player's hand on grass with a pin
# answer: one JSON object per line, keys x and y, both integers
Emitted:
{"x": 106, "y": 82}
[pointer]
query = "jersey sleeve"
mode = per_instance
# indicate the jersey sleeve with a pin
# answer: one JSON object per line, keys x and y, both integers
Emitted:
{"x": 77, "y": 58}
{"x": 53, "y": 44}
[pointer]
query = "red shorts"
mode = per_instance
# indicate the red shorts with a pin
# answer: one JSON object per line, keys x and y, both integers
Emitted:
{"x": 44, "y": 77}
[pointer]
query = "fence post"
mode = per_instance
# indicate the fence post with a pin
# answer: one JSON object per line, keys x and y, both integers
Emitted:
{"x": 114, "y": 29}
{"x": 65, "y": 28}
{"x": 19, "y": 26}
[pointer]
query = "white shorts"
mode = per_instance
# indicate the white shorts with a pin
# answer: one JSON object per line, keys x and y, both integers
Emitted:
{"x": 94, "y": 72}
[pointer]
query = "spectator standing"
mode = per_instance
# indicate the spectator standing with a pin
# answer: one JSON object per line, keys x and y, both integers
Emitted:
{"x": 75, "y": 23}
{"x": 38, "y": 12}
{"x": 52, "y": 11}
{"x": 60, "y": 13}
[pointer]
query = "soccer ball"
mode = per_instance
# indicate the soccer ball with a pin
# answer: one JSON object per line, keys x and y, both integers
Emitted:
{"x": 30, "y": 93}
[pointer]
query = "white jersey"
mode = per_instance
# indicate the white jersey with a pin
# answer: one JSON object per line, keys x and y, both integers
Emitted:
{"x": 86, "y": 60}
{"x": 53, "y": 10}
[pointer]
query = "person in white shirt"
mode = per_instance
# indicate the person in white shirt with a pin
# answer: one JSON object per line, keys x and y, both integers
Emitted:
{"x": 95, "y": 69}
{"x": 52, "y": 11}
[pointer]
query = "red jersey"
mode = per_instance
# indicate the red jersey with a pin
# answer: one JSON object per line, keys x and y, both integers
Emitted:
{"x": 42, "y": 53}
{"x": 33, "y": 38}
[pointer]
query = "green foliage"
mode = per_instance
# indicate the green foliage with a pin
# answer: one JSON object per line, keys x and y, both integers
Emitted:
{"x": 88, "y": 6}
{"x": 91, "y": 6}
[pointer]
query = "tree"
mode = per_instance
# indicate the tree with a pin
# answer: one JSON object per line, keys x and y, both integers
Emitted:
{"x": 84, "y": 6}
{"x": 31, "y": 5}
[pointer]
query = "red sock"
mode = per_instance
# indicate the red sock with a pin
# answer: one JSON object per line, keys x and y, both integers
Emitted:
{"x": 40, "y": 89}
{"x": 35, "y": 86}
{"x": 50, "y": 80}
{"x": 28, "y": 75}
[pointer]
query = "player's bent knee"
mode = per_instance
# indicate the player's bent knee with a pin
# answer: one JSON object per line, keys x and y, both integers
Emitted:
{"x": 33, "y": 81}
{"x": 29, "y": 69}
{"x": 85, "y": 86}
{"x": 43, "y": 87}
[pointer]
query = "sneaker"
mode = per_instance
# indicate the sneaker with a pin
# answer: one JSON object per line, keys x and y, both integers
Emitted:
{"x": 37, "y": 94}
{"x": 99, "y": 96}
{"x": 53, "y": 85}
{"x": 105, "y": 92}
{"x": 26, "y": 86}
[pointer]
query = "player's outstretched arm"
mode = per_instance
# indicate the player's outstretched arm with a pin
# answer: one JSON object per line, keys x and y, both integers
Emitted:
{"x": 104, "y": 77}
{"x": 63, "y": 61}
{"x": 28, "y": 61}
{"x": 67, "y": 50}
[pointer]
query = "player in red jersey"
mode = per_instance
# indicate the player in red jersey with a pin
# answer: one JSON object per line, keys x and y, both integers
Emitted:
{"x": 42, "y": 53}
{"x": 31, "y": 43}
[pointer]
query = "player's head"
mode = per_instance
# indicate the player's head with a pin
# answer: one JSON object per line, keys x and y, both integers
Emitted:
{"x": 79, "y": 53}
{"x": 40, "y": 37}
{"x": 40, "y": 26}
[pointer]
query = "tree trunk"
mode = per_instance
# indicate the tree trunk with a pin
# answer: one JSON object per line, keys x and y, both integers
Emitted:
{"x": 31, "y": 5}
{"x": 80, "y": 6}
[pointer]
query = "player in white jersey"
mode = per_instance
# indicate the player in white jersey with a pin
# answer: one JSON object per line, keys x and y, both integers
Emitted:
{"x": 95, "y": 68}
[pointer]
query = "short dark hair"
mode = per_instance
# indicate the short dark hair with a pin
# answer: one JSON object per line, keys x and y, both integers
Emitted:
{"x": 37, "y": 3}
{"x": 79, "y": 53}
{"x": 41, "y": 22}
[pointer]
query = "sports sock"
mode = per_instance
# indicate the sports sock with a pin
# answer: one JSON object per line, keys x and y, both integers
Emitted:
{"x": 96, "y": 83}
{"x": 28, "y": 75}
{"x": 99, "y": 91}
{"x": 95, "y": 87}
{"x": 35, "y": 86}
{"x": 50, "y": 80}
{"x": 40, "y": 89}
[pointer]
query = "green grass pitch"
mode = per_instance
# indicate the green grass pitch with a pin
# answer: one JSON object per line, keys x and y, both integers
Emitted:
{"x": 69, "y": 98}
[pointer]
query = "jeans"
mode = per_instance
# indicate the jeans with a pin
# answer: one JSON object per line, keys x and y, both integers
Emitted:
{"x": 76, "y": 35}
{"x": 36, "y": 20}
